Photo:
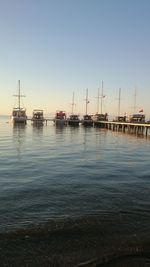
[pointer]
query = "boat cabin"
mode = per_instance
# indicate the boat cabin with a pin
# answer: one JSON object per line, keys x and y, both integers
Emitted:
{"x": 37, "y": 117}
{"x": 137, "y": 118}
{"x": 37, "y": 114}
{"x": 100, "y": 117}
{"x": 74, "y": 117}
{"x": 19, "y": 112}
{"x": 120, "y": 119}
{"x": 87, "y": 120}
{"x": 87, "y": 117}
{"x": 60, "y": 115}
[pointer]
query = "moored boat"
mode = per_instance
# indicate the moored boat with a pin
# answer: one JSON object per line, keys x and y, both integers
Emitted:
{"x": 97, "y": 118}
{"x": 87, "y": 120}
{"x": 60, "y": 118}
{"x": 100, "y": 117}
{"x": 38, "y": 117}
{"x": 19, "y": 113}
{"x": 120, "y": 119}
{"x": 73, "y": 120}
{"x": 137, "y": 118}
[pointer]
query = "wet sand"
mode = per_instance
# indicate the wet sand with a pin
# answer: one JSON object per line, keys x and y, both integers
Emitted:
{"x": 110, "y": 240}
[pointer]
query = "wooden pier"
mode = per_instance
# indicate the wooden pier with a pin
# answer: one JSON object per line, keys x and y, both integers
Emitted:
{"x": 129, "y": 127}
{"x": 134, "y": 128}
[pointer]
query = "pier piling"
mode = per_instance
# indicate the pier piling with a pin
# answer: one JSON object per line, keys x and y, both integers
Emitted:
{"x": 133, "y": 128}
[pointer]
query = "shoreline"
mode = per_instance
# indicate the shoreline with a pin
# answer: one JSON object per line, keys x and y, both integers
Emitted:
{"x": 88, "y": 241}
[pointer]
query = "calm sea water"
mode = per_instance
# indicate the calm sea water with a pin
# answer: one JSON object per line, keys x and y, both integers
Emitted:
{"x": 47, "y": 173}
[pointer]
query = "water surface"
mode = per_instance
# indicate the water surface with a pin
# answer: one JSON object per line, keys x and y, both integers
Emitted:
{"x": 51, "y": 173}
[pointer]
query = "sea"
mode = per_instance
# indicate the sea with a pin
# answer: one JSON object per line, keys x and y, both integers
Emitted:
{"x": 52, "y": 174}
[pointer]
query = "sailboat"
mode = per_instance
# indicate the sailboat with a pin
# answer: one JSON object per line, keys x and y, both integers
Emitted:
{"x": 87, "y": 119}
{"x": 100, "y": 116}
{"x": 19, "y": 113}
{"x": 73, "y": 119}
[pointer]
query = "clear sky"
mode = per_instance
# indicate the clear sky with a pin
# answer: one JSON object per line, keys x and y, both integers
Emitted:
{"x": 56, "y": 47}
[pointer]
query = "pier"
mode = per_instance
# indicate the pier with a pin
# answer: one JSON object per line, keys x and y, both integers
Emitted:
{"x": 134, "y": 128}
{"x": 126, "y": 127}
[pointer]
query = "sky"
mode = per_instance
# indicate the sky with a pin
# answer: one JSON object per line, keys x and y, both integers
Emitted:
{"x": 57, "y": 47}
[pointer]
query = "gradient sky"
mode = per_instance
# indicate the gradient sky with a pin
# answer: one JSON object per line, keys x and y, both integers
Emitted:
{"x": 56, "y": 47}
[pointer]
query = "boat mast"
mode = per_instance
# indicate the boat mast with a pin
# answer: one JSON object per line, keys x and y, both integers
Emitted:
{"x": 73, "y": 104}
{"x": 19, "y": 95}
{"x": 86, "y": 101}
{"x": 119, "y": 99}
{"x": 98, "y": 101}
{"x": 135, "y": 96}
{"x": 102, "y": 98}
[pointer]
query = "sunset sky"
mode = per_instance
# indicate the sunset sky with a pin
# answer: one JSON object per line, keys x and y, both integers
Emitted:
{"x": 57, "y": 47}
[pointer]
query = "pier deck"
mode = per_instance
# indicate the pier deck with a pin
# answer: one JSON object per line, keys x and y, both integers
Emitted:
{"x": 137, "y": 128}
{"x": 130, "y": 127}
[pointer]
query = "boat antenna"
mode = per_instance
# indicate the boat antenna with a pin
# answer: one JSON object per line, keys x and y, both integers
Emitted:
{"x": 19, "y": 95}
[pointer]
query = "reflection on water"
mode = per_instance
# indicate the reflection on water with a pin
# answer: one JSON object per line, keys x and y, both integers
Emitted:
{"x": 60, "y": 128}
{"x": 57, "y": 171}
{"x": 19, "y": 133}
{"x": 86, "y": 136}
{"x": 37, "y": 129}
{"x": 73, "y": 126}
{"x": 73, "y": 129}
{"x": 17, "y": 126}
